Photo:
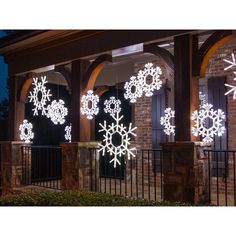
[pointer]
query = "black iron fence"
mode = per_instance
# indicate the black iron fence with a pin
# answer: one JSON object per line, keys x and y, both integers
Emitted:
{"x": 139, "y": 177}
{"x": 42, "y": 166}
{"x": 221, "y": 174}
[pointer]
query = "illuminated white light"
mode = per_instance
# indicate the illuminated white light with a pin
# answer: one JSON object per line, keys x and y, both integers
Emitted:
{"x": 89, "y": 104}
{"x": 202, "y": 98}
{"x": 39, "y": 87}
{"x": 200, "y": 117}
{"x": 112, "y": 106}
{"x": 152, "y": 73}
{"x": 233, "y": 89}
{"x": 165, "y": 121}
{"x": 232, "y": 63}
{"x": 26, "y": 132}
{"x": 117, "y": 129}
{"x": 68, "y": 133}
{"x": 57, "y": 112}
{"x": 133, "y": 89}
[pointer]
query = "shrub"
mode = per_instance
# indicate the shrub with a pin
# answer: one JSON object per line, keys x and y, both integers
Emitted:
{"x": 75, "y": 198}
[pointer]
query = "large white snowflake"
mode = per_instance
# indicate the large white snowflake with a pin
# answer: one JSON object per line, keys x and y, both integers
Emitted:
{"x": 68, "y": 133}
{"x": 89, "y": 104}
{"x": 57, "y": 112}
{"x": 150, "y": 79}
{"x": 231, "y": 63}
{"x": 113, "y": 133}
{"x": 133, "y": 89}
{"x": 40, "y": 95}
{"x": 112, "y": 106}
{"x": 204, "y": 115}
{"x": 26, "y": 132}
{"x": 165, "y": 121}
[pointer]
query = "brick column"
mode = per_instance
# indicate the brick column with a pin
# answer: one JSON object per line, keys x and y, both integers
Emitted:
{"x": 184, "y": 172}
{"x": 11, "y": 166}
{"x": 78, "y": 166}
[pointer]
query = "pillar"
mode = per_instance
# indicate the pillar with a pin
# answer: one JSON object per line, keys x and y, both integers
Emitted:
{"x": 80, "y": 166}
{"x": 16, "y": 110}
{"x": 185, "y": 177}
{"x": 80, "y": 124}
{"x": 185, "y": 85}
{"x": 11, "y": 166}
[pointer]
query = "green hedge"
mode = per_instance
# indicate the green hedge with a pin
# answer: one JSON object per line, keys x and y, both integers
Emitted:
{"x": 74, "y": 198}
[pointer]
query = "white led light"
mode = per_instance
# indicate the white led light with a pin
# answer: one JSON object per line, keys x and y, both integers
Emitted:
{"x": 89, "y": 104}
{"x": 233, "y": 89}
{"x": 68, "y": 133}
{"x": 39, "y": 88}
{"x": 232, "y": 63}
{"x": 57, "y": 112}
{"x": 112, "y": 106}
{"x": 26, "y": 133}
{"x": 108, "y": 141}
{"x": 133, "y": 89}
{"x": 200, "y": 117}
{"x": 165, "y": 121}
{"x": 153, "y": 74}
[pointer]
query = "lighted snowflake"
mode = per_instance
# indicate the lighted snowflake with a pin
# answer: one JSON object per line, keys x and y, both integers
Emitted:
{"x": 39, "y": 96}
{"x": 153, "y": 74}
{"x": 231, "y": 63}
{"x": 112, "y": 106}
{"x": 57, "y": 112}
{"x": 233, "y": 89}
{"x": 113, "y": 133}
{"x": 133, "y": 89}
{"x": 201, "y": 117}
{"x": 89, "y": 104}
{"x": 68, "y": 133}
{"x": 26, "y": 132}
{"x": 165, "y": 121}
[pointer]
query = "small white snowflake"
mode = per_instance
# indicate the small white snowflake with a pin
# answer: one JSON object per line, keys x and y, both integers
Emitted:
{"x": 112, "y": 132}
{"x": 232, "y": 90}
{"x": 165, "y": 121}
{"x": 89, "y": 104}
{"x": 153, "y": 74}
{"x": 26, "y": 132}
{"x": 57, "y": 112}
{"x": 68, "y": 133}
{"x": 133, "y": 89}
{"x": 39, "y": 89}
{"x": 112, "y": 106}
{"x": 207, "y": 113}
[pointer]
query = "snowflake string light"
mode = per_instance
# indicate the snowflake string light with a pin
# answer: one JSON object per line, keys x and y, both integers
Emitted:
{"x": 26, "y": 132}
{"x": 114, "y": 132}
{"x": 208, "y": 114}
{"x": 233, "y": 89}
{"x": 133, "y": 89}
{"x": 39, "y": 89}
{"x": 57, "y": 112}
{"x": 89, "y": 104}
{"x": 153, "y": 74}
{"x": 232, "y": 63}
{"x": 112, "y": 106}
{"x": 68, "y": 133}
{"x": 165, "y": 121}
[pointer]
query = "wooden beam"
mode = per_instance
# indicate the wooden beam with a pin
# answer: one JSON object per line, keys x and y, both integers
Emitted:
{"x": 80, "y": 124}
{"x": 186, "y": 87}
{"x": 81, "y": 47}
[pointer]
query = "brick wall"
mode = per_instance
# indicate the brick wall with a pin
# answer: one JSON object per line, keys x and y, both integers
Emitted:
{"x": 216, "y": 68}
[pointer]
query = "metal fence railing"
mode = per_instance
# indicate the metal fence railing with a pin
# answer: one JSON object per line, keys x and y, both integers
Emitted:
{"x": 139, "y": 177}
{"x": 41, "y": 166}
{"x": 221, "y": 179}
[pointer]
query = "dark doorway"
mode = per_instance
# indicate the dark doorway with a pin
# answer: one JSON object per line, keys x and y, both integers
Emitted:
{"x": 106, "y": 168}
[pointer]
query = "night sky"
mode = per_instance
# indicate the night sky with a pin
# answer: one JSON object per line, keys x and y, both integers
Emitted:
{"x": 3, "y": 75}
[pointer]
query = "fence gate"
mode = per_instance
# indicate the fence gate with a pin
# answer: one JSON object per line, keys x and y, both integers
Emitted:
{"x": 42, "y": 166}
